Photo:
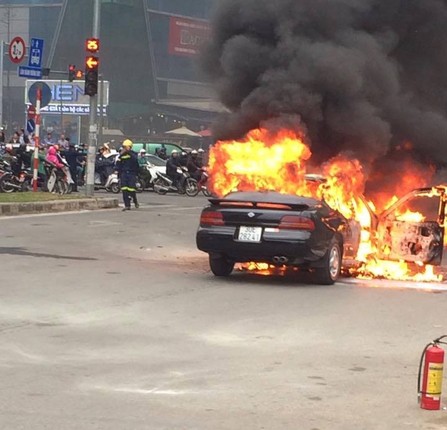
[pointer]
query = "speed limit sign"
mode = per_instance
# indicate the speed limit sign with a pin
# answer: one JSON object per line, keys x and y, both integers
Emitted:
{"x": 17, "y": 50}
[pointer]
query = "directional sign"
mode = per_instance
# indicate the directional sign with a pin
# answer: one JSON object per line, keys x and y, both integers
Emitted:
{"x": 30, "y": 126}
{"x": 46, "y": 93}
{"x": 17, "y": 50}
{"x": 35, "y": 54}
{"x": 29, "y": 72}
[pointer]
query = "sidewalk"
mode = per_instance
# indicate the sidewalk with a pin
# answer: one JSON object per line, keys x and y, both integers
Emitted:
{"x": 51, "y": 206}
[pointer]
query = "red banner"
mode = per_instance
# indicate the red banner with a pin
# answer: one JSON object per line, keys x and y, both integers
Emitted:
{"x": 186, "y": 36}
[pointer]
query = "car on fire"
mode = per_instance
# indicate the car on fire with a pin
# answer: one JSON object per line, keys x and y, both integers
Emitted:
{"x": 294, "y": 231}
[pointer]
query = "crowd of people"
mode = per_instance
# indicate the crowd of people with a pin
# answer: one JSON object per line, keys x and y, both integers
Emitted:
{"x": 64, "y": 155}
{"x": 18, "y": 151}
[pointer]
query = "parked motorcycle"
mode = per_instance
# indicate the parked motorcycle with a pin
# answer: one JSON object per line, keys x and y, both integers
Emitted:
{"x": 163, "y": 184}
{"x": 10, "y": 182}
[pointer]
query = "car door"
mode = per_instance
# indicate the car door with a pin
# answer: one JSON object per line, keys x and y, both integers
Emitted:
{"x": 412, "y": 229}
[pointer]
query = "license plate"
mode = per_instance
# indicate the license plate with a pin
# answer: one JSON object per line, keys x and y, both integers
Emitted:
{"x": 250, "y": 234}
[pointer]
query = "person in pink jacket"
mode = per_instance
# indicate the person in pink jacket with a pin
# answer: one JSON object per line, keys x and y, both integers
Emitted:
{"x": 53, "y": 157}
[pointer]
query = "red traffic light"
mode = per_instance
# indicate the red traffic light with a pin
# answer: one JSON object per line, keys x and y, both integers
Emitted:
{"x": 71, "y": 68}
{"x": 91, "y": 62}
{"x": 92, "y": 45}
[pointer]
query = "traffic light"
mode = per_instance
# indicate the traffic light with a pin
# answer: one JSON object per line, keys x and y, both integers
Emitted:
{"x": 91, "y": 75}
{"x": 71, "y": 72}
{"x": 79, "y": 74}
{"x": 92, "y": 45}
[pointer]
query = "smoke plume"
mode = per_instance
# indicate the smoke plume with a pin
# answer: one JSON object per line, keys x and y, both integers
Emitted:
{"x": 362, "y": 75}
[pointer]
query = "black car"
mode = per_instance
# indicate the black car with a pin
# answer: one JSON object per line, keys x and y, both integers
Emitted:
{"x": 282, "y": 230}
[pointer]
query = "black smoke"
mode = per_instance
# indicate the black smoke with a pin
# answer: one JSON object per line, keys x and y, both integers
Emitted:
{"x": 362, "y": 75}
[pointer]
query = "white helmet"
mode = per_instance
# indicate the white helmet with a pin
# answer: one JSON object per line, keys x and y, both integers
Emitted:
{"x": 174, "y": 151}
{"x": 194, "y": 152}
{"x": 201, "y": 150}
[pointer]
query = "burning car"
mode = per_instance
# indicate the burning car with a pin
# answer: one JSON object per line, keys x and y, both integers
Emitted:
{"x": 262, "y": 180}
{"x": 295, "y": 231}
{"x": 278, "y": 229}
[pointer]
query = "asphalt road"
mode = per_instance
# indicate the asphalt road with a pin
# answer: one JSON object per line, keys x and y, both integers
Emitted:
{"x": 112, "y": 320}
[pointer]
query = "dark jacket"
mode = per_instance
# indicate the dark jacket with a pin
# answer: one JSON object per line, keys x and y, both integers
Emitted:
{"x": 127, "y": 162}
{"x": 172, "y": 165}
{"x": 193, "y": 165}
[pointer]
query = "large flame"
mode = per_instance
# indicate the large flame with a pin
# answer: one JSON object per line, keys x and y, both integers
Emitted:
{"x": 278, "y": 161}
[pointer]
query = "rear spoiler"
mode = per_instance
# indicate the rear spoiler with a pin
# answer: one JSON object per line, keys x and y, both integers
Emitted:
{"x": 259, "y": 205}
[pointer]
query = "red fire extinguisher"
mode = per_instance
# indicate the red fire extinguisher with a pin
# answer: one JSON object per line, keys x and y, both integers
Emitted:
{"x": 430, "y": 381}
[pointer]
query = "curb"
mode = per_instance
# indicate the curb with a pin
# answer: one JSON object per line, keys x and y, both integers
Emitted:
{"x": 57, "y": 206}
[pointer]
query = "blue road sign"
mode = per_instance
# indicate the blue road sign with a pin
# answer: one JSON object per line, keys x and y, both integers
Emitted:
{"x": 30, "y": 126}
{"x": 46, "y": 94}
{"x": 29, "y": 72}
{"x": 36, "y": 53}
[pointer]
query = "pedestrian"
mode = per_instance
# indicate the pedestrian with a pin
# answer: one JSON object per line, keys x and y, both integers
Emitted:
{"x": 63, "y": 142}
{"x": 71, "y": 155}
{"x": 127, "y": 169}
{"x": 48, "y": 141}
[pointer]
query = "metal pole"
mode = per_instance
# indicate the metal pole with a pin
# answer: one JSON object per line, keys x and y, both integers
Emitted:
{"x": 2, "y": 55}
{"x": 61, "y": 107}
{"x": 37, "y": 140}
{"x": 93, "y": 126}
{"x": 101, "y": 107}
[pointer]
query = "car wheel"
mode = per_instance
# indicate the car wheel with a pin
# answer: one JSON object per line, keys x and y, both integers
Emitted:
{"x": 220, "y": 266}
{"x": 331, "y": 269}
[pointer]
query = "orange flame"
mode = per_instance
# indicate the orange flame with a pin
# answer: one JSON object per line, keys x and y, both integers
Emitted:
{"x": 265, "y": 160}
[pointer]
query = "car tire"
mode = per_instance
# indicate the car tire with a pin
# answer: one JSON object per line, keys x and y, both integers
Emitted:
{"x": 332, "y": 261}
{"x": 220, "y": 266}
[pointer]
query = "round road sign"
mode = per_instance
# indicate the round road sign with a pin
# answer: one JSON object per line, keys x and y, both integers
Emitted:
{"x": 45, "y": 93}
{"x": 17, "y": 50}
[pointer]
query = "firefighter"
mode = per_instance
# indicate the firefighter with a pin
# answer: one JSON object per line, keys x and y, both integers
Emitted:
{"x": 127, "y": 169}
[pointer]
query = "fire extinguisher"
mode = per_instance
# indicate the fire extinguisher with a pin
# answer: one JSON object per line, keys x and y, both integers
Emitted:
{"x": 430, "y": 381}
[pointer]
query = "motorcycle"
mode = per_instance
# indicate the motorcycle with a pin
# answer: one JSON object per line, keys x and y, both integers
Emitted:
{"x": 163, "y": 184}
{"x": 9, "y": 182}
{"x": 203, "y": 183}
{"x": 105, "y": 178}
{"x": 59, "y": 181}
{"x": 111, "y": 185}
{"x": 147, "y": 176}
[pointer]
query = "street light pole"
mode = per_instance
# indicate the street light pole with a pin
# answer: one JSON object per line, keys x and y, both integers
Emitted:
{"x": 93, "y": 126}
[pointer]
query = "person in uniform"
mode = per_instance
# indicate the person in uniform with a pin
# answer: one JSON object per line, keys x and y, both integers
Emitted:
{"x": 127, "y": 169}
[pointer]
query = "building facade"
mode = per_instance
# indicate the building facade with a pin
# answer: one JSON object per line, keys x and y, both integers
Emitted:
{"x": 149, "y": 53}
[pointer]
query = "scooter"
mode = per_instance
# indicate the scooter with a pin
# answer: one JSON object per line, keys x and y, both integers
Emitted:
{"x": 111, "y": 185}
{"x": 163, "y": 184}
